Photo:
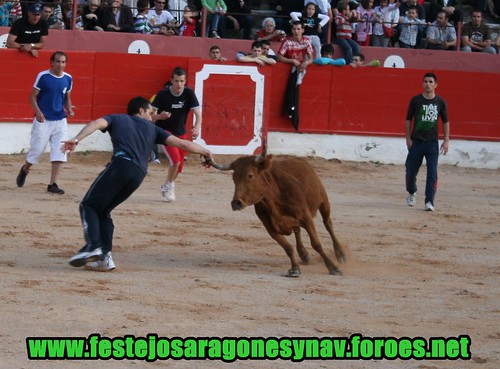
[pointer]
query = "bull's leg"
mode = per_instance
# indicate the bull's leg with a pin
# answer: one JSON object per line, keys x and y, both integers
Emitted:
{"x": 304, "y": 255}
{"x": 290, "y": 251}
{"x": 316, "y": 244}
{"x": 340, "y": 254}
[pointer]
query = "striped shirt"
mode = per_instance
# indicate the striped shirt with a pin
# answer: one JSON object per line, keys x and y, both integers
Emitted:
{"x": 297, "y": 50}
{"x": 344, "y": 28}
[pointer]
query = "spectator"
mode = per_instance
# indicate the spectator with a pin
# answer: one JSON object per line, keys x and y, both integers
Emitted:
{"x": 364, "y": 28}
{"x": 51, "y": 101}
{"x": 324, "y": 6}
{"x": 409, "y": 29}
{"x": 117, "y": 18}
{"x": 386, "y": 21}
{"x": 67, "y": 13}
{"x": 50, "y": 18}
{"x": 189, "y": 23}
{"x": 91, "y": 16}
{"x": 497, "y": 44}
{"x": 142, "y": 24}
{"x": 313, "y": 24}
{"x": 255, "y": 56}
{"x": 174, "y": 103}
{"x": 239, "y": 16}
{"x": 215, "y": 8}
{"x": 403, "y": 8}
{"x": 5, "y": 8}
{"x": 326, "y": 58}
{"x": 158, "y": 16}
{"x": 167, "y": 30}
{"x": 441, "y": 35}
{"x": 296, "y": 50}
{"x": 358, "y": 60}
{"x": 269, "y": 31}
{"x": 216, "y": 54}
{"x": 476, "y": 35}
{"x": 28, "y": 34}
{"x": 283, "y": 9}
{"x": 452, "y": 7}
{"x": 267, "y": 51}
{"x": 176, "y": 8}
{"x": 343, "y": 32}
{"x": 16, "y": 12}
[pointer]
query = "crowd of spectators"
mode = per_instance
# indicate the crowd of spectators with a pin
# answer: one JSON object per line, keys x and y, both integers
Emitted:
{"x": 409, "y": 24}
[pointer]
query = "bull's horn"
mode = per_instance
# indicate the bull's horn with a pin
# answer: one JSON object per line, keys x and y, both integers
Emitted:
{"x": 217, "y": 166}
{"x": 260, "y": 159}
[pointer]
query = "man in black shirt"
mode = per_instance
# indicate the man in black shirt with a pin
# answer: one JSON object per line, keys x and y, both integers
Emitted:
{"x": 28, "y": 34}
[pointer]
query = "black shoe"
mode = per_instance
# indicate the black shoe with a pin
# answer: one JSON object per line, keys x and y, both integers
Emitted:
{"x": 21, "y": 177}
{"x": 52, "y": 188}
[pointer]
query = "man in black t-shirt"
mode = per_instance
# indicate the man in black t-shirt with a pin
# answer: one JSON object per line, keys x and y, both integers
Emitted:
{"x": 28, "y": 34}
{"x": 421, "y": 127}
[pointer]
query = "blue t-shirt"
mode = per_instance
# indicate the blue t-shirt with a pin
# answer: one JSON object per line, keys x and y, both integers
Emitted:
{"x": 53, "y": 90}
{"x": 133, "y": 137}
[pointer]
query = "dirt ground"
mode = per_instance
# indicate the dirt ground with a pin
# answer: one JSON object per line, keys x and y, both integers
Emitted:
{"x": 196, "y": 268}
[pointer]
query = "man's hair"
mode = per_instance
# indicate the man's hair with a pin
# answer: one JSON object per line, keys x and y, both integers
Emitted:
{"x": 265, "y": 42}
{"x": 58, "y": 53}
{"x": 215, "y": 47}
{"x": 342, "y": 6}
{"x": 327, "y": 49}
{"x": 412, "y": 7}
{"x": 430, "y": 75}
{"x": 178, "y": 71}
{"x": 360, "y": 56}
{"x": 446, "y": 15}
{"x": 294, "y": 23}
{"x": 256, "y": 44}
{"x": 137, "y": 103}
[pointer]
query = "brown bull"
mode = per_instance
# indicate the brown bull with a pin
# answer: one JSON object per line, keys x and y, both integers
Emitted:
{"x": 286, "y": 195}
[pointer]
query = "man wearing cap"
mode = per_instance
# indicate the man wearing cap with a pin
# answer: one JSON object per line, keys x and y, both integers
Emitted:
{"x": 28, "y": 33}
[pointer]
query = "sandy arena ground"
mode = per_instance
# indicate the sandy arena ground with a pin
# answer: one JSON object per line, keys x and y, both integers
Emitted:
{"x": 196, "y": 268}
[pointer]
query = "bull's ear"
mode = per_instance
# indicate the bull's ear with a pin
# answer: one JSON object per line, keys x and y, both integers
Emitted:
{"x": 266, "y": 163}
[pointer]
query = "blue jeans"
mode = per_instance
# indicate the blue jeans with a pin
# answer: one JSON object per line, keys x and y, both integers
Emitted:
{"x": 418, "y": 151}
{"x": 349, "y": 47}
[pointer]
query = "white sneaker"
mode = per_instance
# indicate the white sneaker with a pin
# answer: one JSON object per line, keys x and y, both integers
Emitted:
{"x": 429, "y": 206}
{"x": 168, "y": 192}
{"x": 83, "y": 257}
{"x": 412, "y": 199}
{"x": 104, "y": 265}
{"x": 215, "y": 34}
{"x": 156, "y": 161}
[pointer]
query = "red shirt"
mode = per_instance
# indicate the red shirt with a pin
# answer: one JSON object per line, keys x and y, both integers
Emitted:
{"x": 297, "y": 50}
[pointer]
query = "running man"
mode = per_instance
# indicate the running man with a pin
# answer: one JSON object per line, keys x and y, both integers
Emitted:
{"x": 133, "y": 136}
{"x": 173, "y": 104}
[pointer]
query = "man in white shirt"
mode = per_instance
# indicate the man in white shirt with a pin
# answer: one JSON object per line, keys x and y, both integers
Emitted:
{"x": 159, "y": 15}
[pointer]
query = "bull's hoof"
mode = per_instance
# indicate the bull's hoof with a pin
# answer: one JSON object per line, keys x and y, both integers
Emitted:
{"x": 293, "y": 273}
{"x": 336, "y": 271}
{"x": 305, "y": 259}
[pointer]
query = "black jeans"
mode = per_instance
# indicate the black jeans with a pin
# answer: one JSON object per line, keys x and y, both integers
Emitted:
{"x": 113, "y": 186}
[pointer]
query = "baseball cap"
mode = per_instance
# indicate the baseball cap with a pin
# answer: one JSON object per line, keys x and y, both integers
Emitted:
{"x": 36, "y": 8}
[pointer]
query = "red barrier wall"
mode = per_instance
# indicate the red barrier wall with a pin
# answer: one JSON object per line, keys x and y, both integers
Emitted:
{"x": 362, "y": 101}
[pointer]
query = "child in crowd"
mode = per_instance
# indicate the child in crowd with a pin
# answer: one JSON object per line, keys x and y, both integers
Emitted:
{"x": 386, "y": 16}
{"x": 343, "y": 31}
{"x": 409, "y": 28}
{"x": 142, "y": 24}
{"x": 189, "y": 24}
{"x": 313, "y": 24}
{"x": 166, "y": 30}
{"x": 326, "y": 58}
{"x": 16, "y": 12}
{"x": 364, "y": 27}
{"x": 5, "y": 8}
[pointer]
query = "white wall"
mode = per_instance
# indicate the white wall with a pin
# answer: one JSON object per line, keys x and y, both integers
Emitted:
{"x": 14, "y": 139}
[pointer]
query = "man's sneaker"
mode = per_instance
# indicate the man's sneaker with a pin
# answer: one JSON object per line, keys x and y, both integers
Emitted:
{"x": 83, "y": 257}
{"x": 104, "y": 265}
{"x": 411, "y": 199}
{"x": 21, "y": 177}
{"x": 429, "y": 206}
{"x": 53, "y": 188}
{"x": 168, "y": 192}
{"x": 215, "y": 34}
{"x": 157, "y": 161}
